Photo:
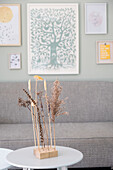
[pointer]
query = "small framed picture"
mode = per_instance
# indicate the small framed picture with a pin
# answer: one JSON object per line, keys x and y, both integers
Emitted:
{"x": 104, "y": 52}
{"x": 10, "y": 25}
{"x": 96, "y": 18}
{"x": 14, "y": 61}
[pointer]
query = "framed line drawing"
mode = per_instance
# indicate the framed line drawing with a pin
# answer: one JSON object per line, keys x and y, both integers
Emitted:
{"x": 104, "y": 52}
{"x": 95, "y": 18}
{"x": 53, "y": 38}
{"x": 10, "y": 26}
{"x": 14, "y": 61}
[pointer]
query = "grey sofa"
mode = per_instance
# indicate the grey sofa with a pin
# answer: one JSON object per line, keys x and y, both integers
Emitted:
{"x": 88, "y": 127}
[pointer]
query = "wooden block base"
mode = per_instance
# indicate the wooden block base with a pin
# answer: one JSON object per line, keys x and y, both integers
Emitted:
{"x": 46, "y": 152}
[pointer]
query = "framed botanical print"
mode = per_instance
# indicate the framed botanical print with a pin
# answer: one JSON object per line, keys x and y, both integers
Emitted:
{"x": 104, "y": 52}
{"x": 10, "y": 31}
{"x": 14, "y": 61}
{"x": 96, "y": 18}
{"x": 53, "y": 38}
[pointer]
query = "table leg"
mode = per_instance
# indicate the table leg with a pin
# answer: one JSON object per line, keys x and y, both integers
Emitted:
{"x": 62, "y": 168}
{"x": 8, "y": 168}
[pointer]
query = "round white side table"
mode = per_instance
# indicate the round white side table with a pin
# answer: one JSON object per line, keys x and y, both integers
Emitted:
{"x": 24, "y": 158}
{"x": 3, "y": 153}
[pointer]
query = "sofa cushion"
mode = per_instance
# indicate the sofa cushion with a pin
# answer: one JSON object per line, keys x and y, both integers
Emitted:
{"x": 87, "y": 101}
{"x": 98, "y": 152}
{"x": 94, "y": 140}
{"x": 84, "y": 130}
{"x": 65, "y": 131}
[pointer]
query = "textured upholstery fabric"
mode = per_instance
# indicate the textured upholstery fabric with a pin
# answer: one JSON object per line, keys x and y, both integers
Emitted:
{"x": 10, "y": 112}
{"x": 63, "y": 131}
{"x": 97, "y": 152}
{"x": 94, "y": 140}
{"x": 87, "y": 102}
{"x": 88, "y": 127}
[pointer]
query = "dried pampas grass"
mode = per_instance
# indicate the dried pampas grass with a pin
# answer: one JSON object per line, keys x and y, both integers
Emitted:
{"x": 56, "y": 104}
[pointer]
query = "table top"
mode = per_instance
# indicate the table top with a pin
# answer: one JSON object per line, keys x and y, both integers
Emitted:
{"x": 3, "y": 153}
{"x": 24, "y": 158}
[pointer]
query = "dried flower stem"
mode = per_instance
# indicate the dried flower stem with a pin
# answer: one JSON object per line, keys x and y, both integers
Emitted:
{"x": 42, "y": 111}
{"x": 48, "y": 110}
{"x": 35, "y": 112}
{"x": 32, "y": 115}
{"x": 39, "y": 119}
{"x": 54, "y": 135}
{"x": 36, "y": 129}
{"x": 55, "y": 104}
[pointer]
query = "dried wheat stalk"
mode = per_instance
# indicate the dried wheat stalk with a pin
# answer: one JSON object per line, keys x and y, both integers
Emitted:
{"x": 39, "y": 118}
{"x": 35, "y": 112}
{"x": 26, "y": 103}
{"x": 39, "y": 94}
{"x": 49, "y": 118}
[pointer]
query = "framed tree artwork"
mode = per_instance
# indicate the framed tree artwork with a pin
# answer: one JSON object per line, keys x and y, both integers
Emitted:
{"x": 104, "y": 52}
{"x": 53, "y": 38}
{"x": 10, "y": 32}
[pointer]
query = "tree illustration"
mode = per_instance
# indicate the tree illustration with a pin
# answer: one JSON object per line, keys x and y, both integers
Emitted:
{"x": 53, "y": 35}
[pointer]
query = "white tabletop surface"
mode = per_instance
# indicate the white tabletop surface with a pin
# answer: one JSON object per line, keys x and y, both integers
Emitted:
{"x": 25, "y": 158}
{"x": 3, "y": 153}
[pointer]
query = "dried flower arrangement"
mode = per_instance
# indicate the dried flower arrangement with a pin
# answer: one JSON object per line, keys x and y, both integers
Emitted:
{"x": 44, "y": 120}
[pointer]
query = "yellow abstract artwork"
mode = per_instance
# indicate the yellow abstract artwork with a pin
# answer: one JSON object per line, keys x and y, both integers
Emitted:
{"x": 6, "y": 14}
{"x": 104, "y": 52}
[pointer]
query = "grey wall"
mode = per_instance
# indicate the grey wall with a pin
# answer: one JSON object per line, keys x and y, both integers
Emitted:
{"x": 89, "y": 70}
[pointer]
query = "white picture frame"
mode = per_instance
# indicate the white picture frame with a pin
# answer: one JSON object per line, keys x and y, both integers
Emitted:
{"x": 43, "y": 63}
{"x": 15, "y": 61}
{"x": 95, "y": 18}
{"x": 104, "y": 52}
{"x": 10, "y": 25}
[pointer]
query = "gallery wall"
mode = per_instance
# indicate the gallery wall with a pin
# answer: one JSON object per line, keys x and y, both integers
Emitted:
{"x": 89, "y": 70}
